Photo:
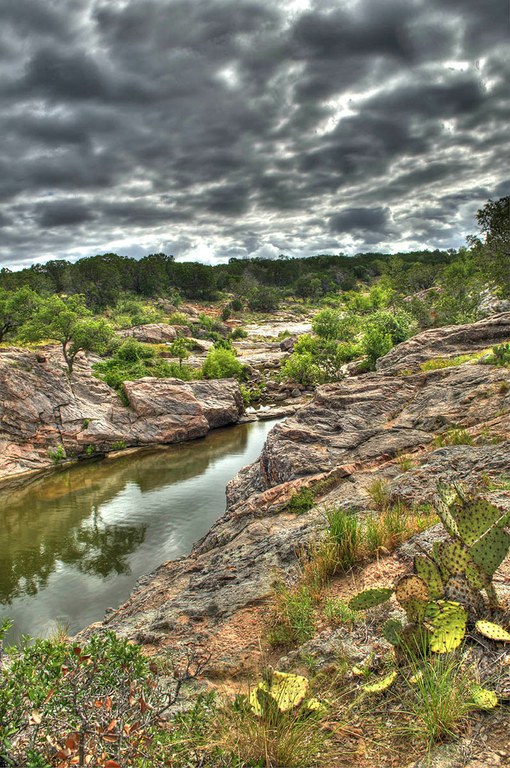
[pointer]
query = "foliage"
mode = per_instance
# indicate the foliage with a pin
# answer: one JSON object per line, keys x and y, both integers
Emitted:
{"x": 15, "y": 309}
{"x": 448, "y": 581}
{"x": 292, "y": 621}
{"x": 133, "y": 360}
{"x": 57, "y": 454}
{"x": 453, "y": 436}
{"x": 293, "y": 738}
{"x": 222, "y": 364}
{"x": 500, "y": 355}
{"x": 130, "y": 310}
{"x": 338, "y": 612}
{"x": 384, "y": 329}
{"x": 98, "y": 704}
{"x": 67, "y": 320}
{"x": 238, "y": 333}
{"x": 180, "y": 348}
{"x": 438, "y": 697}
{"x": 302, "y": 501}
{"x": 494, "y": 223}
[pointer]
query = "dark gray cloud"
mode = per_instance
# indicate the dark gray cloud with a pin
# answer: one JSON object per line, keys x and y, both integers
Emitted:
{"x": 244, "y": 127}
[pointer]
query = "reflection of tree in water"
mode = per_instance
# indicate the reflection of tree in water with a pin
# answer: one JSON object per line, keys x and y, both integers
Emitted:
{"x": 101, "y": 549}
{"x": 50, "y": 521}
{"x": 93, "y": 547}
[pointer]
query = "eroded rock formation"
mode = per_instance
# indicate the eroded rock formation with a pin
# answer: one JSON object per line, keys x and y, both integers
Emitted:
{"x": 41, "y": 409}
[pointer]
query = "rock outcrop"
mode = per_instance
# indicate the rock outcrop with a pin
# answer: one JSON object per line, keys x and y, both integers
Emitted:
{"x": 351, "y": 433}
{"x": 449, "y": 341}
{"x": 42, "y": 409}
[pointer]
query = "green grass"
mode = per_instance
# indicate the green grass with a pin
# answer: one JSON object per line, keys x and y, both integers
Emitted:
{"x": 301, "y": 502}
{"x": 437, "y": 699}
{"x": 292, "y": 621}
{"x": 338, "y": 612}
{"x": 450, "y": 362}
{"x": 453, "y": 436}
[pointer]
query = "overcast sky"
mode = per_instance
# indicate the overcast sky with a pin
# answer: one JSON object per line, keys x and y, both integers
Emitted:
{"x": 216, "y": 128}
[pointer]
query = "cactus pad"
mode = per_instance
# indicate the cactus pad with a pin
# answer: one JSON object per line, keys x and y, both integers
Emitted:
{"x": 283, "y": 691}
{"x": 381, "y": 685}
{"x": 411, "y": 588}
{"x": 427, "y": 570}
{"x": 483, "y": 698}
{"x": 453, "y": 557}
{"x": 490, "y": 551}
{"x": 493, "y": 631}
{"x": 459, "y": 589}
{"x": 447, "y": 497}
{"x": 477, "y": 517}
{"x": 369, "y": 598}
{"x": 392, "y": 631}
{"x": 446, "y": 622}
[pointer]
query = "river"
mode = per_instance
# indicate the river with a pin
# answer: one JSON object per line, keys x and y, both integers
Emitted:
{"x": 74, "y": 543}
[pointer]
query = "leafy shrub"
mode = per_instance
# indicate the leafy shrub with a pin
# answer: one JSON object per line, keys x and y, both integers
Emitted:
{"x": 222, "y": 364}
{"x": 302, "y": 368}
{"x": 238, "y": 333}
{"x": 98, "y": 704}
{"x": 133, "y": 360}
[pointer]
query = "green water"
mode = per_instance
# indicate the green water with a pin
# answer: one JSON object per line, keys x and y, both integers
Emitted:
{"x": 74, "y": 543}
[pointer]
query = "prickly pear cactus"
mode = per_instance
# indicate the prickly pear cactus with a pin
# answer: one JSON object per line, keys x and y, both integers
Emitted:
{"x": 381, "y": 685}
{"x": 282, "y": 691}
{"x": 483, "y": 698}
{"x": 369, "y": 598}
{"x": 392, "y": 631}
{"x": 493, "y": 631}
{"x": 446, "y": 622}
{"x": 428, "y": 571}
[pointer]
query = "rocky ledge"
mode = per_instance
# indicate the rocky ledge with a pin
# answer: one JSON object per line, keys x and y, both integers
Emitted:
{"x": 42, "y": 409}
{"x": 351, "y": 434}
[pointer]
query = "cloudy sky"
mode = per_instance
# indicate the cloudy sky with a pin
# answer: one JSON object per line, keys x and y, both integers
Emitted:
{"x": 216, "y": 128}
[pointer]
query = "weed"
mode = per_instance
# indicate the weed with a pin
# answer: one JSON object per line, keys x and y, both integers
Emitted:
{"x": 338, "y": 612}
{"x": 292, "y": 619}
{"x": 119, "y": 445}
{"x": 343, "y": 530}
{"x": 57, "y": 454}
{"x": 437, "y": 699}
{"x": 449, "y": 362}
{"x": 85, "y": 423}
{"x": 90, "y": 450}
{"x": 405, "y": 463}
{"x": 291, "y": 739}
{"x": 453, "y": 436}
{"x": 379, "y": 493}
{"x": 503, "y": 387}
{"x": 301, "y": 502}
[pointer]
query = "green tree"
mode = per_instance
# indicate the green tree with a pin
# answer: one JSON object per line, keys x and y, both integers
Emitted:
{"x": 67, "y": 320}
{"x": 15, "y": 309}
{"x": 494, "y": 223}
{"x": 180, "y": 349}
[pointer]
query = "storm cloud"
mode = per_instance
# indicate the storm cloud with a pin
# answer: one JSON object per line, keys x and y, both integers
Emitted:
{"x": 218, "y": 128}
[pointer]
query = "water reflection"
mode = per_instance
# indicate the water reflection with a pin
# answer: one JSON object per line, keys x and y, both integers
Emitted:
{"x": 75, "y": 542}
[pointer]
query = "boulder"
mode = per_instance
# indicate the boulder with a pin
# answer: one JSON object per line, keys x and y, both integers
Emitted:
{"x": 152, "y": 333}
{"x": 41, "y": 409}
{"x": 449, "y": 341}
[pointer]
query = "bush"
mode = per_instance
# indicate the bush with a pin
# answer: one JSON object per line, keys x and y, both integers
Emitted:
{"x": 97, "y": 704}
{"x": 301, "y": 368}
{"x": 238, "y": 333}
{"x": 222, "y": 364}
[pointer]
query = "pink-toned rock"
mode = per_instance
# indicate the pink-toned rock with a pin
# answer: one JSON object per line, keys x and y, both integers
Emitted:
{"x": 41, "y": 409}
{"x": 151, "y": 333}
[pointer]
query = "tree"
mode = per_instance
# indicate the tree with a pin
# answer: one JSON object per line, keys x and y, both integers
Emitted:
{"x": 67, "y": 320}
{"x": 494, "y": 223}
{"x": 15, "y": 309}
{"x": 180, "y": 348}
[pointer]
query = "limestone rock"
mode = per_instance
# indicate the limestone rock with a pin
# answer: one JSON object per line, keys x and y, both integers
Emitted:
{"x": 40, "y": 409}
{"x": 449, "y": 341}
